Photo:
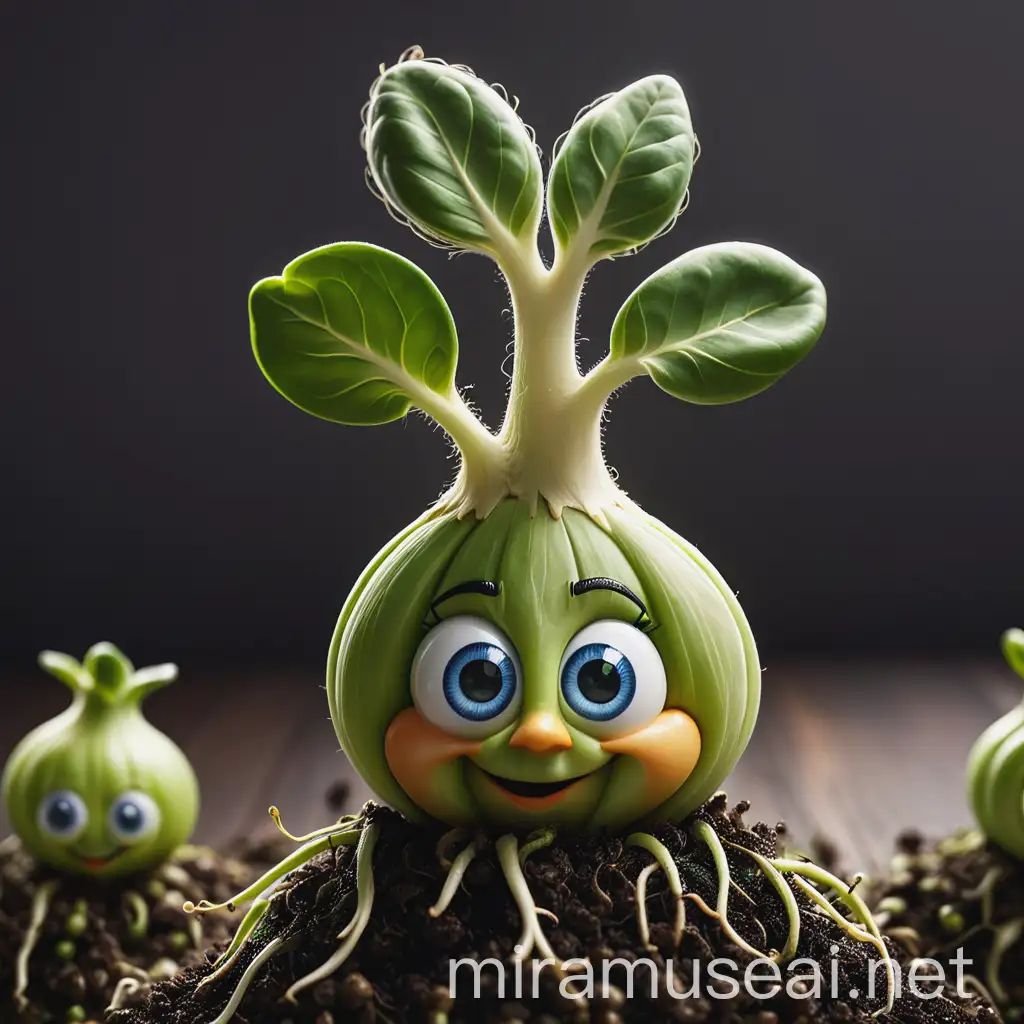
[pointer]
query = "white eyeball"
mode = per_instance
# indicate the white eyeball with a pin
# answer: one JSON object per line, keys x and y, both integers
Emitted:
{"x": 133, "y": 816}
{"x": 466, "y": 678}
{"x": 613, "y": 679}
{"x": 62, "y": 815}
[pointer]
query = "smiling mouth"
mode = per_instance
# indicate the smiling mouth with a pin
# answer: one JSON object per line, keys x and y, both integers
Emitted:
{"x": 532, "y": 789}
{"x": 95, "y": 863}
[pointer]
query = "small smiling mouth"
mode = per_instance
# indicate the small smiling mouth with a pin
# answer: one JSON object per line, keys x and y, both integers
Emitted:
{"x": 95, "y": 863}
{"x": 532, "y": 789}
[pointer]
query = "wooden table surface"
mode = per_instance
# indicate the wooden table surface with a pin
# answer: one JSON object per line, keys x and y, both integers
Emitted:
{"x": 856, "y": 751}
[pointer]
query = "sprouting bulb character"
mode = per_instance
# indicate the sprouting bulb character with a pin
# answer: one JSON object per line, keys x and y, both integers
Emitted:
{"x": 535, "y": 649}
{"x": 535, "y": 652}
{"x": 98, "y": 790}
{"x": 995, "y": 770}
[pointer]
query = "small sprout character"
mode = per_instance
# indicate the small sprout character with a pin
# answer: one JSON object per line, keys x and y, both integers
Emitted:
{"x": 995, "y": 790}
{"x": 98, "y": 790}
{"x": 535, "y": 651}
{"x": 995, "y": 771}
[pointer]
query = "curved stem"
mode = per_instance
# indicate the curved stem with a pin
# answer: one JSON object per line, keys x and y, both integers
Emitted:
{"x": 1006, "y": 935}
{"x": 849, "y": 898}
{"x": 268, "y": 952}
{"x": 532, "y": 935}
{"x": 721, "y": 913}
{"x": 642, "y": 924}
{"x": 872, "y": 936}
{"x": 980, "y": 988}
{"x": 137, "y": 914}
{"x": 230, "y": 956}
{"x": 785, "y": 894}
{"x": 445, "y": 843}
{"x": 348, "y": 819}
{"x": 345, "y": 836}
{"x": 536, "y": 841}
{"x": 355, "y": 928}
{"x": 454, "y": 879}
{"x": 40, "y": 908}
{"x": 664, "y": 859}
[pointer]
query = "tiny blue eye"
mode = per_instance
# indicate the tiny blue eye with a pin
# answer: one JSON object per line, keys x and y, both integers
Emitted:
{"x": 129, "y": 817}
{"x": 479, "y": 681}
{"x": 133, "y": 815}
{"x": 62, "y": 814}
{"x": 598, "y": 682}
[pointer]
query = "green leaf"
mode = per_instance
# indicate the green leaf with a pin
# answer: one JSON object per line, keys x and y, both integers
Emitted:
{"x": 1013, "y": 648}
{"x": 621, "y": 174}
{"x": 68, "y": 670}
{"x": 451, "y": 155}
{"x": 721, "y": 323}
{"x": 354, "y": 333}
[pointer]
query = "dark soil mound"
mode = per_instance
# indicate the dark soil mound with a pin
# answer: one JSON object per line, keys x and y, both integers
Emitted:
{"x": 399, "y": 970}
{"x": 128, "y": 932}
{"x": 961, "y": 893}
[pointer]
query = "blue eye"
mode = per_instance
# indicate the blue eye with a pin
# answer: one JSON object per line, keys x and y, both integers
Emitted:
{"x": 598, "y": 682}
{"x": 133, "y": 816}
{"x": 62, "y": 815}
{"x": 479, "y": 681}
{"x": 466, "y": 678}
{"x": 613, "y": 679}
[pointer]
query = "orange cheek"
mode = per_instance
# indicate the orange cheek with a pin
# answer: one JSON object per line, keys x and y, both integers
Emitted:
{"x": 668, "y": 750}
{"x": 416, "y": 749}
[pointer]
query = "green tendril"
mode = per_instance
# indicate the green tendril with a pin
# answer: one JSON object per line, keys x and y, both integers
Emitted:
{"x": 532, "y": 935}
{"x": 536, "y": 841}
{"x": 136, "y": 914}
{"x": 642, "y": 924}
{"x": 848, "y": 897}
{"x": 785, "y": 894}
{"x": 721, "y": 912}
{"x": 341, "y": 823}
{"x": 456, "y": 873}
{"x": 269, "y": 951}
{"x": 664, "y": 860}
{"x": 231, "y": 955}
{"x": 1004, "y": 937}
{"x": 446, "y": 842}
{"x": 40, "y": 908}
{"x": 343, "y": 836}
{"x": 355, "y": 928}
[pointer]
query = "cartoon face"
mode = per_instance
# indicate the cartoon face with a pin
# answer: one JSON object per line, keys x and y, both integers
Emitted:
{"x": 99, "y": 839}
{"x": 556, "y": 672}
{"x": 103, "y": 806}
{"x": 98, "y": 790}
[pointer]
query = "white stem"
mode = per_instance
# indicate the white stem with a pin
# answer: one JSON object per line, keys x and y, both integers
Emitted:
{"x": 549, "y": 445}
{"x": 552, "y": 440}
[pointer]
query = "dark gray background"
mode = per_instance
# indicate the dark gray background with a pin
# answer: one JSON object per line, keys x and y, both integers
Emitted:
{"x": 159, "y": 158}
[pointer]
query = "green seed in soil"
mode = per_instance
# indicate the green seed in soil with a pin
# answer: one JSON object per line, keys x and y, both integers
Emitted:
{"x": 76, "y": 1014}
{"x": 951, "y": 919}
{"x": 179, "y": 941}
{"x": 895, "y": 905}
{"x": 65, "y": 949}
{"x": 76, "y": 925}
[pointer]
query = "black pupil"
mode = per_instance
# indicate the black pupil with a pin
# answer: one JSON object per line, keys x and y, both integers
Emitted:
{"x": 599, "y": 681}
{"x": 129, "y": 817}
{"x": 61, "y": 815}
{"x": 480, "y": 681}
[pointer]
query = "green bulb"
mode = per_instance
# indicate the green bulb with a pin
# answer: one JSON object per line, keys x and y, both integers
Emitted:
{"x": 98, "y": 790}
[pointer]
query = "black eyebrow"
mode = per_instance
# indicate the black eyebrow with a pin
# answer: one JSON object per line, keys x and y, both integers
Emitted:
{"x": 605, "y": 583}
{"x": 487, "y": 588}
